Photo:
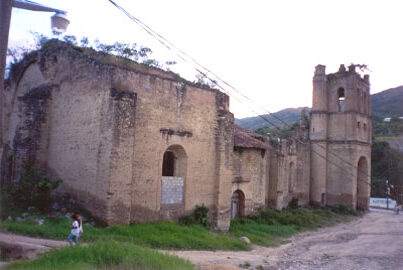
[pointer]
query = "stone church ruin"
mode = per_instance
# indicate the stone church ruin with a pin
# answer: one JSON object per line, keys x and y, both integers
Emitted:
{"x": 135, "y": 143}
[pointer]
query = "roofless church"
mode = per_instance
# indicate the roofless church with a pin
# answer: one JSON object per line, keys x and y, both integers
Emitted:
{"x": 135, "y": 143}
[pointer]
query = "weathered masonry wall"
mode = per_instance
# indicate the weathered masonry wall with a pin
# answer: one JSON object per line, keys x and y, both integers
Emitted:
{"x": 250, "y": 177}
{"x": 173, "y": 114}
{"x": 81, "y": 127}
{"x": 340, "y": 136}
{"x": 106, "y": 129}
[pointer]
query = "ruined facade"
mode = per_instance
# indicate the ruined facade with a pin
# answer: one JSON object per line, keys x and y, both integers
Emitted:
{"x": 340, "y": 134}
{"x": 134, "y": 143}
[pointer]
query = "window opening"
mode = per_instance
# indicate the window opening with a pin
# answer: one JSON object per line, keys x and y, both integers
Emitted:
{"x": 341, "y": 99}
{"x": 168, "y": 165}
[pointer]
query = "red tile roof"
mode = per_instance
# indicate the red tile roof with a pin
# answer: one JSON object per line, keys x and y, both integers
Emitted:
{"x": 247, "y": 139}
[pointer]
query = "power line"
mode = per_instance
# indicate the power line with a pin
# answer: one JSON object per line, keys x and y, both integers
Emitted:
{"x": 182, "y": 55}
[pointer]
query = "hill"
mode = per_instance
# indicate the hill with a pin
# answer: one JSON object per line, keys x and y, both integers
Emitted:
{"x": 289, "y": 115}
{"x": 388, "y": 103}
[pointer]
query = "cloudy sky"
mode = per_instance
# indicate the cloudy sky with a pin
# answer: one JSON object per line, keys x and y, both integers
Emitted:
{"x": 265, "y": 49}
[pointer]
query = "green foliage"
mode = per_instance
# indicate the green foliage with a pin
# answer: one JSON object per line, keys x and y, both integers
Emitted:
{"x": 343, "y": 209}
{"x": 269, "y": 226}
{"x": 199, "y": 216}
{"x": 33, "y": 190}
{"x": 203, "y": 80}
{"x": 387, "y": 103}
{"x": 293, "y": 204}
{"x": 289, "y": 116}
{"x": 283, "y": 133}
{"x": 167, "y": 235}
{"x": 393, "y": 128}
{"x": 106, "y": 255}
{"x": 386, "y": 163}
{"x": 128, "y": 51}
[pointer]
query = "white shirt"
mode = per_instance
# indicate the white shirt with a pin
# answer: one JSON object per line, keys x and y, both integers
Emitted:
{"x": 75, "y": 231}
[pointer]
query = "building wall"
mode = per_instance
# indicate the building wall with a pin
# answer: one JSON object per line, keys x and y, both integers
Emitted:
{"x": 290, "y": 173}
{"x": 106, "y": 130}
{"x": 173, "y": 113}
{"x": 76, "y": 134}
{"x": 250, "y": 177}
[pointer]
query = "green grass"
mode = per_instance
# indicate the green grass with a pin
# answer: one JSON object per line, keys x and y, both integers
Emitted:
{"x": 380, "y": 138}
{"x": 106, "y": 255}
{"x": 128, "y": 247}
{"x": 270, "y": 227}
{"x": 163, "y": 234}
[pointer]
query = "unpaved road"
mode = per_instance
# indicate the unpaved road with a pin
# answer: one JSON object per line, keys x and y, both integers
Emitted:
{"x": 374, "y": 241}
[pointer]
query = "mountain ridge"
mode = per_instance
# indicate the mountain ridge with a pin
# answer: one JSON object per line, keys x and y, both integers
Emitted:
{"x": 388, "y": 103}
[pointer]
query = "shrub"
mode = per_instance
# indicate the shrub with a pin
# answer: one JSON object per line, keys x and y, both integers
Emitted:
{"x": 343, "y": 209}
{"x": 33, "y": 190}
{"x": 293, "y": 204}
{"x": 199, "y": 216}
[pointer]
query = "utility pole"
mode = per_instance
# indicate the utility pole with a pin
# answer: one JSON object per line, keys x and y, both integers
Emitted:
{"x": 387, "y": 194}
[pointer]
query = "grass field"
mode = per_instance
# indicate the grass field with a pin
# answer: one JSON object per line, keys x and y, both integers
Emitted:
{"x": 271, "y": 226}
{"x": 163, "y": 234}
{"x": 106, "y": 255}
{"x": 128, "y": 247}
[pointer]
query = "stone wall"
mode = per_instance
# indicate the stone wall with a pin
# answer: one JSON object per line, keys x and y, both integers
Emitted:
{"x": 250, "y": 177}
{"x": 340, "y": 138}
{"x": 108, "y": 129}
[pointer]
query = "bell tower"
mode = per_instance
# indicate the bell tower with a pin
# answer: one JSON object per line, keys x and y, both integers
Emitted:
{"x": 340, "y": 135}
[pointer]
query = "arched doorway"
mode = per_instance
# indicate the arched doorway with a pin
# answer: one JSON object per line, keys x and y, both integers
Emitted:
{"x": 363, "y": 184}
{"x": 237, "y": 204}
{"x": 174, "y": 169}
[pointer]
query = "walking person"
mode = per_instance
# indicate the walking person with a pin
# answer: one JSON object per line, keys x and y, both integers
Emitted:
{"x": 76, "y": 228}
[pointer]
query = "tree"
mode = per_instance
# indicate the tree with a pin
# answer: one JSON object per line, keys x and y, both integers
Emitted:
{"x": 386, "y": 164}
{"x": 130, "y": 51}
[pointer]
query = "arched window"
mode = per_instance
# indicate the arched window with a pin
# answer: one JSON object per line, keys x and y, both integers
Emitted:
{"x": 168, "y": 165}
{"x": 174, "y": 168}
{"x": 174, "y": 161}
{"x": 341, "y": 99}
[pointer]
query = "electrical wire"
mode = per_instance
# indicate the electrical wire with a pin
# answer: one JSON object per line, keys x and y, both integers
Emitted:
{"x": 186, "y": 58}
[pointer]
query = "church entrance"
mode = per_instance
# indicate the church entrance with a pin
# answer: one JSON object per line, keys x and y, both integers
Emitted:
{"x": 237, "y": 204}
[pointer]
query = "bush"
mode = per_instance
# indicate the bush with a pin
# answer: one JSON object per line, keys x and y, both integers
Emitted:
{"x": 199, "y": 216}
{"x": 343, "y": 209}
{"x": 33, "y": 190}
{"x": 293, "y": 204}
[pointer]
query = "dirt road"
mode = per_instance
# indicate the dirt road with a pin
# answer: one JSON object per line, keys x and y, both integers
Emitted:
{"x": 374, "y": 241}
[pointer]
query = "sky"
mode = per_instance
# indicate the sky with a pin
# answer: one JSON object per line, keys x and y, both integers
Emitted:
{"x": 267, "y": 50}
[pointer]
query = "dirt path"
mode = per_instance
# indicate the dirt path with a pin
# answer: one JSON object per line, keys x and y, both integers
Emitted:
{"x": 372, "y": 242}
{"x": 23, "y": 247}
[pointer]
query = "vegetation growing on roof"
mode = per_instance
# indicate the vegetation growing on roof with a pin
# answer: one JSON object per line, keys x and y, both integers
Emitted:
{"x": 126, "y": 55}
